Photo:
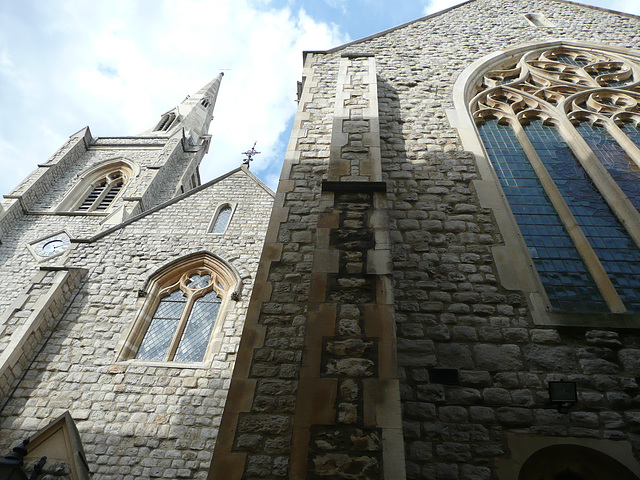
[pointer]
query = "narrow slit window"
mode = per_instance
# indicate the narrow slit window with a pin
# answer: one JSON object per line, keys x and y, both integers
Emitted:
{"x": 538, "y": 20}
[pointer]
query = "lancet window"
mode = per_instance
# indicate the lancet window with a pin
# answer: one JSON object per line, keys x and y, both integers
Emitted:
{"x": 561, "y": 128}
{"x": 221, "y": 219}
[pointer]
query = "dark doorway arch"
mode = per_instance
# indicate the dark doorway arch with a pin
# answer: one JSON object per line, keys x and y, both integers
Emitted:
{"x": 573, "y": 462}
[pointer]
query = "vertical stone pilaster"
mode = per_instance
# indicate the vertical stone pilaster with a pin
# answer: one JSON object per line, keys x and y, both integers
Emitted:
{"x": 347, "y": 419}
{"x": 315, "y": 392}
{"x": 355, "y": 136}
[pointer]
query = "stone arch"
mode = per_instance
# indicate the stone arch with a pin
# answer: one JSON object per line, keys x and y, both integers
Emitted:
{"x": 120, "y": 169}
{"x": 220, "y": 279}
{"x": 573, "y": 462}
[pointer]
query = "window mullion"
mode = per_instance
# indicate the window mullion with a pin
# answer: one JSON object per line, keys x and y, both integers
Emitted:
{"x": 608, "y": 188}
{"x": 181, "y": 326}
{"x": 578, "y": 237}
{"x": 625, "y": 142}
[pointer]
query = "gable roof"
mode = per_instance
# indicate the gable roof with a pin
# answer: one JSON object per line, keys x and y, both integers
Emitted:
{"x": 441, "y": 12}
{"x": 177, "y": 199}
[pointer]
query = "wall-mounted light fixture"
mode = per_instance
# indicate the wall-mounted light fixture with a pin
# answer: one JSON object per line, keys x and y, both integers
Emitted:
{"x": 563, "y": 395}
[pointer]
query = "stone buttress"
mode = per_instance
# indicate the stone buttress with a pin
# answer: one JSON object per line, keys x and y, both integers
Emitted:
{"x": 315, "y": 391}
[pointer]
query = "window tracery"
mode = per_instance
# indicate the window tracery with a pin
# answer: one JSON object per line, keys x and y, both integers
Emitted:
{"x": 560, "y": 127}
{"x": 103, "y": 192}
{"x": 184, "y": 319}
{"x": 181, "y": 319}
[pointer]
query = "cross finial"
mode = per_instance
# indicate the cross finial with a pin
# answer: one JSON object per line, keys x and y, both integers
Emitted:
{"x": 250, "y": 154}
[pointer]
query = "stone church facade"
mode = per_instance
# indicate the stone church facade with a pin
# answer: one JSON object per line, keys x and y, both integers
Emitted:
{"x": 125, "y": 286}
{"x": 448, "y": 287}
{"x": 437, "y": 258}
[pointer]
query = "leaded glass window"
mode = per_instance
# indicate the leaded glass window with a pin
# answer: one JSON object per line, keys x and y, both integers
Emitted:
{"x": 560, "y": 128}
{"x": 222, "y": 220}
{"x": 184, "y": 319}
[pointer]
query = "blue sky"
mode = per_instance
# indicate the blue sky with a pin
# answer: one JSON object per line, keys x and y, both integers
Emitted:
{"x": 117, "y": 65}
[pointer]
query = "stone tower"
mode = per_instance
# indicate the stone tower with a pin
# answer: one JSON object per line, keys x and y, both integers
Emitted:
{"x": 125, "y": 283}
{"x": 449, "y": 283}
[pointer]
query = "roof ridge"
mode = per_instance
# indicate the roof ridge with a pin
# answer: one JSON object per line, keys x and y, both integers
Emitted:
{"x": 435, "y": 14}
{"x": 171, "y": 201}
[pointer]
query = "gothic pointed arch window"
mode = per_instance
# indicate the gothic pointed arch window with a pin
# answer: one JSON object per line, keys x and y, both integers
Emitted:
{"x": 221, "y": 219}
{"x": 103, "y": 192}
{"x": 560, "y": 128}
{"x": 99, "y": 187}
{"x": 183, "y": 311}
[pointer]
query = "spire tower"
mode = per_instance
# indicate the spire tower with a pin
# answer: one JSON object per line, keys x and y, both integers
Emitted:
{"x": 193, "y": 115}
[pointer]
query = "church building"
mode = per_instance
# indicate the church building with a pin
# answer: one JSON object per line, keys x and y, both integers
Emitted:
{"x": 125, "y": 285}
{"x": 448, "y": 287}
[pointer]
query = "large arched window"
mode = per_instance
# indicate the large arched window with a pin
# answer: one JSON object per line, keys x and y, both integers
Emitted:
{"x": 560, "y": 127}
{"x": 183, "y": 310}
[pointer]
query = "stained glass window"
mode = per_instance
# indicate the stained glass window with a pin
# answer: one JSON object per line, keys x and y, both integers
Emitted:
{"x": 562, "y": 85}
{"x": 633, "y": 132}
{"x": 196, "y": 335}
{"x": 162, "y": 329}
{"x": 564, "y": 275}
{"x": 621, "y": 168}
{"x": 183, "y": 321}
{"x": 618, "y": 254}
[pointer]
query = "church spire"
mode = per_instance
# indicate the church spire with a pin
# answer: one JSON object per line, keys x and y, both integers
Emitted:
{"x": 193, "y": 115}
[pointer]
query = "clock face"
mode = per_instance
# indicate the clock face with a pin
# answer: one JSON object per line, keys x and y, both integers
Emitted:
{"x": 52, "y": 245}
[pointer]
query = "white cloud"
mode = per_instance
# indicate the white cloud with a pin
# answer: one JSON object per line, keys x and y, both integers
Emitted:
{"x": 628, "y": 6}
{"x": 119, "y": 65}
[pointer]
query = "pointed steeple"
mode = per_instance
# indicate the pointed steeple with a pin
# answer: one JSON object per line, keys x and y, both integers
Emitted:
{"x": 194, "y": 114}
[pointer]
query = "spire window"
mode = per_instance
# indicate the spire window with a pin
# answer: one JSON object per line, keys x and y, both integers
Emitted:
{"x": 166, "y": 122}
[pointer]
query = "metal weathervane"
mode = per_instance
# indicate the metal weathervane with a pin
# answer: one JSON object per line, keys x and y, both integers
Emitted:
{"x": 250, "y": 154}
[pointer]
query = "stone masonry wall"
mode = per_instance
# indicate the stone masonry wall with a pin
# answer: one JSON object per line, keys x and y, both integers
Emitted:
{"x": 151, "y": 186}
{"x": 141, "y": 420}
{"x": 29, "y": 320}
{"x": 451, "y": 310}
